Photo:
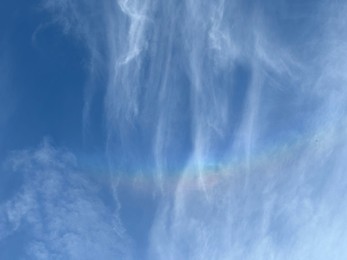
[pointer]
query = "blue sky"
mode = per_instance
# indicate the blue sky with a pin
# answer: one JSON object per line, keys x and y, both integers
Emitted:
{"x": 173, "y": 129}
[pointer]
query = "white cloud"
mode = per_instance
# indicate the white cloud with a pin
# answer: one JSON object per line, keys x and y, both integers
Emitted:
{"x": 284, "y": 203}
{"x": 61, "y": 209}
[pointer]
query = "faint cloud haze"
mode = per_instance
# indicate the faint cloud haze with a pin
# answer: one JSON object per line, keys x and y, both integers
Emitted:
{"x": 58, "y": 210}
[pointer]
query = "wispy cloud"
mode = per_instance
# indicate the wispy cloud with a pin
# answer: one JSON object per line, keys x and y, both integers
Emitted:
{"x": 211, "y": 83}
{"x": 293, "y": 204}
{"x": 60, "y": 210}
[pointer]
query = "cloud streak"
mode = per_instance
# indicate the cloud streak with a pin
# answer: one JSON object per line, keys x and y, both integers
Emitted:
{"x": 229, "y": 86}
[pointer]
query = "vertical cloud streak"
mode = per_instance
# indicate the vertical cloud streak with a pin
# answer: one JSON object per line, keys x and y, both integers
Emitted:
{"x": 236, "y": 107}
